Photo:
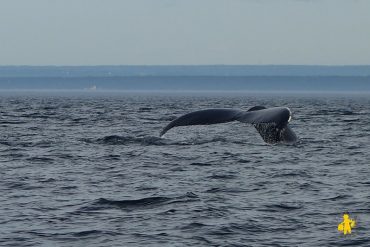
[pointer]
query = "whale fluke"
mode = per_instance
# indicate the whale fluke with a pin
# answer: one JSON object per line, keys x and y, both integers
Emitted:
{"x": 271, "y": 123}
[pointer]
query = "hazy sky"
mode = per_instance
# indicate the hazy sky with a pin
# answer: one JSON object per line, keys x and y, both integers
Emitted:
{"x": 151, "y": 32}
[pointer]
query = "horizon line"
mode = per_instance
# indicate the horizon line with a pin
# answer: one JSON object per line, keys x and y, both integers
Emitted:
{"x": 188, "y": 65}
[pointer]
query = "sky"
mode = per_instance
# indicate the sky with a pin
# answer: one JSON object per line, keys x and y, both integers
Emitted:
{"x": 184, "y": 32}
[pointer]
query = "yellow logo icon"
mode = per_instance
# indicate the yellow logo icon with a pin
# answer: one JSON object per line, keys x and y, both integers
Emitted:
{"x": 347, "y": 225}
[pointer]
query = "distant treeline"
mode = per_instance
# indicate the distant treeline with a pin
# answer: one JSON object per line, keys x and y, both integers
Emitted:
{"x": 224, "y": 83}
{"x": 203, "y": 70}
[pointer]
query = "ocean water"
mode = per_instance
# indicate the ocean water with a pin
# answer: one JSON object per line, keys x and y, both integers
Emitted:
{"x": 88, "y": 169}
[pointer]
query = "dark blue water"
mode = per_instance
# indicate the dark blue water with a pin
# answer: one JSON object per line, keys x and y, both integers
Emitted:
{"x": 90, "y": 170}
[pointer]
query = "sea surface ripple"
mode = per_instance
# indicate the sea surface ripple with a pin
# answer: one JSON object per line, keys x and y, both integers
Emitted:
{"x": 89, "y": 169}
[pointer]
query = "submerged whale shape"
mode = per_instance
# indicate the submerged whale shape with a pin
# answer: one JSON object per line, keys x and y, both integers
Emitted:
{"x": 271, "y": 123}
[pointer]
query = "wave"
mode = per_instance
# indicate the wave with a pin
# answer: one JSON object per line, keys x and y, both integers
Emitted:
{"x": 143, "y": 203}
{"x": 351, "y": 120}
{"x": 36, "y": 115}
{"x": 282, "y": 207}
{"x": 87, "y": 233}
{"x": 200, "y": 164}
{"x": 225, "y": 190}
{"x": 335, "y": 198}
{"x": 292, "y": 173}
{"x": 6, "y": 143}
{"x": 12, "y": 122}
{"x": 124, "y": 140}
{"x": 335, "y": 112}
{"x": 152, "y": 140}
{"x": 40, "y": 159}
{"x": 222, "y": 176}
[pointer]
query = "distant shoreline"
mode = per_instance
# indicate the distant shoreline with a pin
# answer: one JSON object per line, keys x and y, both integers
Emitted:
{"x": 190, "y": 83}
{"x": 183, "y": 70}
{"x": 185, "y": 78}
{"x": 173, "y": 93}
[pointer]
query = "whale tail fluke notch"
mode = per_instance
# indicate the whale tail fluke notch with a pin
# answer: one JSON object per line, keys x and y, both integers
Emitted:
{"x": 271, "y": 123}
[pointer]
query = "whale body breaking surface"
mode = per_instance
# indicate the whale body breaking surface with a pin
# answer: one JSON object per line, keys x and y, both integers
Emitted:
{"x": 271, "y": 123}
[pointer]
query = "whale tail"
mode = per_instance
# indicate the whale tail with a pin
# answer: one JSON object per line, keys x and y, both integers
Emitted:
{"x": 271, "y": 123}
